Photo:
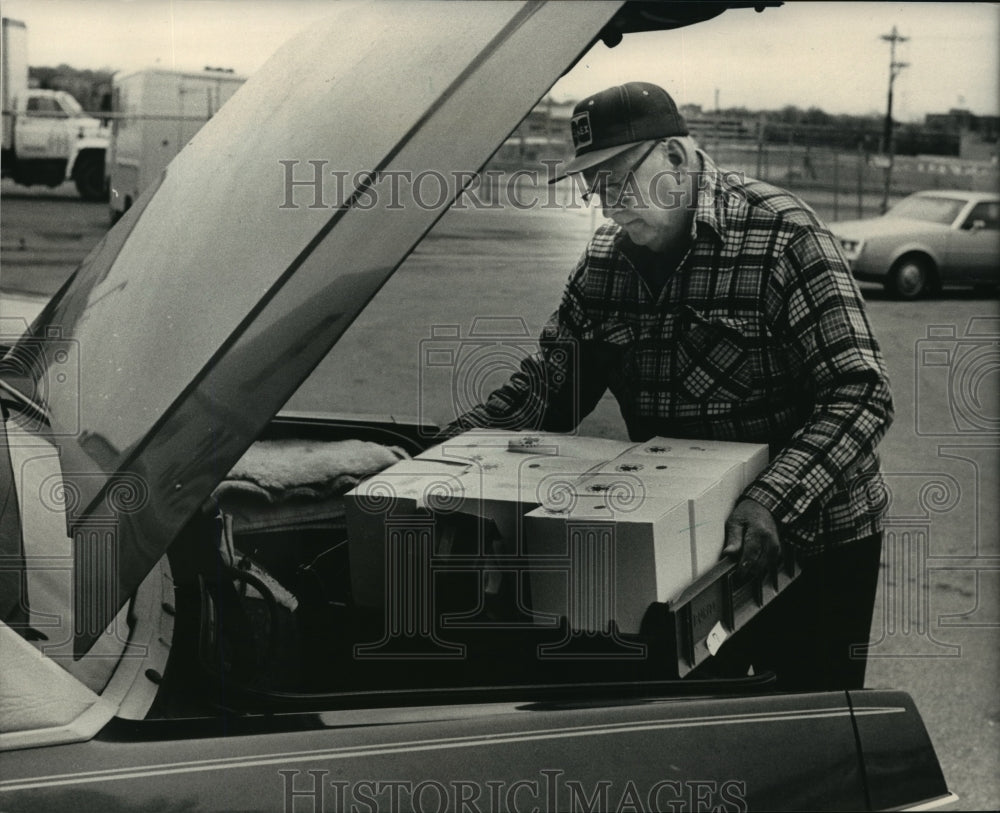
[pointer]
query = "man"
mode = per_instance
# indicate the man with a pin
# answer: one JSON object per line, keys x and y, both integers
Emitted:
{"x": 714, "y": 306}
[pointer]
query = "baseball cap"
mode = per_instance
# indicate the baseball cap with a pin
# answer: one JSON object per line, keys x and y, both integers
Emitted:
{"x": 616, "y": 119}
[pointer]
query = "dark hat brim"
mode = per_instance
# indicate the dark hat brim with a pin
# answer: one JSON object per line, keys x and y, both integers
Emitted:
{"x": 590, "y": 160}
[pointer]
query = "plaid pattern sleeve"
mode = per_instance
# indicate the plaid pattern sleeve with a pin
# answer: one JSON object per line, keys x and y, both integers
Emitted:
{"x": 824, "y": 319}
{"x": 555, "y": 388}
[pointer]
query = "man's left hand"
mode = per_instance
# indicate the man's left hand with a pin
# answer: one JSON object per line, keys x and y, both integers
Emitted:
{"x": 752, "y": 533}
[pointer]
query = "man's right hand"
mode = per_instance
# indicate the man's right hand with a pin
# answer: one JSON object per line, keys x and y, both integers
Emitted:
{"x": 752, "y": 534}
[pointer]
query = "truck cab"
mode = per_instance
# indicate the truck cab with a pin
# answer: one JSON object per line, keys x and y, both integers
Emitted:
{"x": 47, "y": 137}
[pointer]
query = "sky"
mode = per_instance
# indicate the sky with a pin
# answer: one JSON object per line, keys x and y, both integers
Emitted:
{"x": 807, "y": 54}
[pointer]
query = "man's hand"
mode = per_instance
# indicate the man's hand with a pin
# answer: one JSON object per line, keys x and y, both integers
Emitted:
{"x": 752, "y": 533}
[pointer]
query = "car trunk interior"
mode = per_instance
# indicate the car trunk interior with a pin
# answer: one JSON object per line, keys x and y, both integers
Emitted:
{"x": 265, "y": 618}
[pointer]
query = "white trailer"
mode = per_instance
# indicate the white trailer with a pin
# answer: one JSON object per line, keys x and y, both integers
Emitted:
{"x": 14, "y": 73}
{"x": 156, "y": 112}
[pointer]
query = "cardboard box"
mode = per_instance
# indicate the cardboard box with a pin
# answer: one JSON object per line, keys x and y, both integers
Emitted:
{"x": 505, "y": 486}
{"x": 735, "y": 466}
{"x": 410, "y": 500}
{"x": 709, "y": 505}
{"x": 605, "y": 557}
{"x": 754, "y": 457}
{"x": 656, "y": 532}
{"x": 480, "y": 442}
{"x": 713, "y": 485}
{"x": 565, "y": 502}
{"x": 394, "y": 508}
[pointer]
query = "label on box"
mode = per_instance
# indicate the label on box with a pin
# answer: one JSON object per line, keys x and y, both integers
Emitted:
{"x": 715, "y": 638}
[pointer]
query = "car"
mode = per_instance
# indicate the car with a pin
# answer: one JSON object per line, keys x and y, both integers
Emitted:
{"x": 927, "y": 241}
{"x": 170, "y": 642}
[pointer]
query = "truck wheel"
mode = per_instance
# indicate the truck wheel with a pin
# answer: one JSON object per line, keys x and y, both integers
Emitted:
{"x": 88, "y": 175}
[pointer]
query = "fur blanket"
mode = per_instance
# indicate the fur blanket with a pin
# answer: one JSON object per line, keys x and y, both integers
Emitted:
{"x": 279, "y": 470}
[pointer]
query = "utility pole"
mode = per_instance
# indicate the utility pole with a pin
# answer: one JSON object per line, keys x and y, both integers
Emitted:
{"x": 887, "y": 135}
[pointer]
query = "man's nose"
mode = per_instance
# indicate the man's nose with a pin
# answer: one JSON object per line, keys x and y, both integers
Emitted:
{"x": 613, "y": 205}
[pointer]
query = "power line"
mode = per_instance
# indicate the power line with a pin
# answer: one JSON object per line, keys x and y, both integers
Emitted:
{"x": 894, "y": 69}
{"x": 887, "y": 135}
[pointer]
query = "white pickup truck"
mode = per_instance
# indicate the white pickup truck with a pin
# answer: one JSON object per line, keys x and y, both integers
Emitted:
{"x": 47, "y": 137}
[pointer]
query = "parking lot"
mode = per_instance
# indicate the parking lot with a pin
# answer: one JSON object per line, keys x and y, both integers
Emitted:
{"x": 935, "y": 633}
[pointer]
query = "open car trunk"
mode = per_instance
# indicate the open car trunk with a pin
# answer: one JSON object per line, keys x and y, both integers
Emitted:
{"x": 266, "y": 571}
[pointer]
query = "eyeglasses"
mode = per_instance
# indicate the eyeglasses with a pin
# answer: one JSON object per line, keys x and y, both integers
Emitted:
{"x": 611, "y": 193}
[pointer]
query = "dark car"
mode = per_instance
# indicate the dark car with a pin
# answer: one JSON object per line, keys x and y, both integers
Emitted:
{"x": 171, "y": 645}
{"x": 927, "y": 241}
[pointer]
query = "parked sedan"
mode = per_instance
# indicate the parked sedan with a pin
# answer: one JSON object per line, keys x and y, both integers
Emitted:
{"x": 172, "y": 642}
{"x": 927, "y": 241}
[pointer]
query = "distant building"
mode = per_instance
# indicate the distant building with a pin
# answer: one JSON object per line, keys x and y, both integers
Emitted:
{"x": 542, "y": 135}
{"x": 713, "y": 128}
{"x": 978, "y": 135}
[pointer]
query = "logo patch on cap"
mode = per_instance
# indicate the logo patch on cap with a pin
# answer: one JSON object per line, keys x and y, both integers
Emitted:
{"x": 580, "y": 127}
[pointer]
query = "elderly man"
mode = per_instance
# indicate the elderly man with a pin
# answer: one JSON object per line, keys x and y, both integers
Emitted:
{"x": 716, "y": 306}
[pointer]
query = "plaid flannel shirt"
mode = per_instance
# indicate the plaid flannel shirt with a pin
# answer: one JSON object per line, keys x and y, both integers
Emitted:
{"x": 759, "y": 335}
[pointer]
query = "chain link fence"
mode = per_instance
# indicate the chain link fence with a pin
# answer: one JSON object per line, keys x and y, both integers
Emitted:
{"x": 839, "y": 171}
{"x": 840, "y": 181}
